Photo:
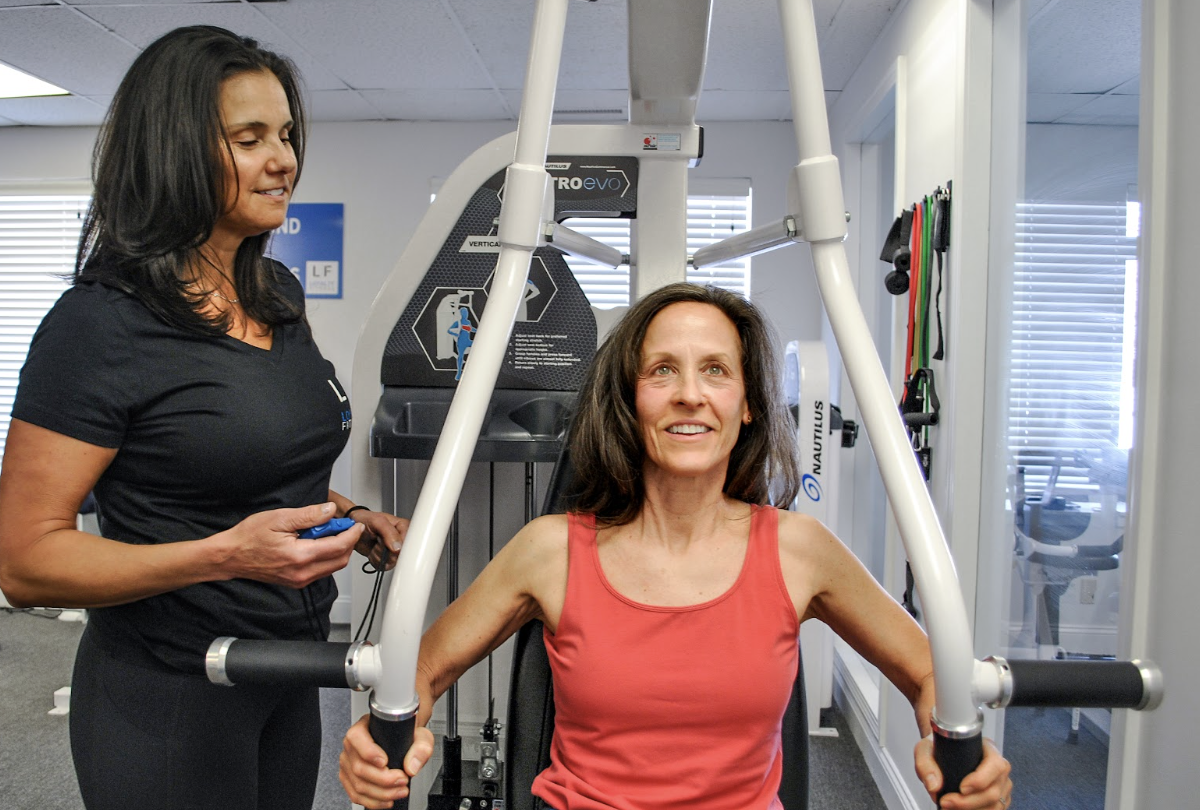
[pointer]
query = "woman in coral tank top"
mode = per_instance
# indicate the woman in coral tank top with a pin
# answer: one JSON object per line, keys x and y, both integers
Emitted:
{"x": 672, "y": 595}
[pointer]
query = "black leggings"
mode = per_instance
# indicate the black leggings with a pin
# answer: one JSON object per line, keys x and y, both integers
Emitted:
{"x": 144, "y": 736}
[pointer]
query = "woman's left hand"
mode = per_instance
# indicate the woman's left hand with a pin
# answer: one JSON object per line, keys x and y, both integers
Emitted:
{"x": 385, "y": 533}
{"x": 988, "y": 787}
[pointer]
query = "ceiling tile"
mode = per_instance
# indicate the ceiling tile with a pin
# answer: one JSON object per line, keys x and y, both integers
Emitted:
{"x": 1105, "y": 111}
{"x": 595, "y": 42}
{"x": 595, "y": 48}
{"x": 465, "y": 59}
{"x": 849, "y": 37}
{"x": 1133, "y": 87}
{"x": 1081, "y": 46}
{"x": 381, "y": 44}
{"x": 86, "y": 58}
{"x": 1046, "y": 108}
{"x": 341, "y": 105}
{"x": 143, "y": 25}
{"x": 435, "y": 105}
{"x": 745, "y": 48}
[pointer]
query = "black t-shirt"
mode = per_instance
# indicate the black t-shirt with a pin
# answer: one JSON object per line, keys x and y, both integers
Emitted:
{"x": 208, "y": 431}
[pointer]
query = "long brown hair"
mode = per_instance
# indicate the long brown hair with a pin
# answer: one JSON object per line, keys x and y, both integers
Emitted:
{"x": 605, "y": 440}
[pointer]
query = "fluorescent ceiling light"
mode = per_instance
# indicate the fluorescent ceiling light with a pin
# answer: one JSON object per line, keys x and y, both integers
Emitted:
{"x": 15, "y": 84}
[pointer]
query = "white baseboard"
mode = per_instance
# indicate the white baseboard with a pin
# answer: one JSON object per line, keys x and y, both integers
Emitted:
{"x": 1097, "y": 721}
{"x": 1087, "y": 639}
{"x": 62, "y": 701}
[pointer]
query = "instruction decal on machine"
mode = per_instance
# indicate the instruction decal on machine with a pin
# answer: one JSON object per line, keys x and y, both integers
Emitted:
{"x": 448, "y": 323}
{"x": 554, "y": 334}
{"x": 480, "y": 244}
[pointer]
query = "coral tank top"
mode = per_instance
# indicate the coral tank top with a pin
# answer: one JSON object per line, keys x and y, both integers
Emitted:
{"x": 670, "y": 707}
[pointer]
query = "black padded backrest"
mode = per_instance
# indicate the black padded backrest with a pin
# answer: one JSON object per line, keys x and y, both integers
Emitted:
{"x": 531, "y": 692}
{"x": 793, "y": 788}
{"x": 530, "y": 719}
{"x": 560, "y": 496}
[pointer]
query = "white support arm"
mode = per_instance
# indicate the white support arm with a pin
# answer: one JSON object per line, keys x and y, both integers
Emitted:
{"x": 752, "y": 242}
{"x": 527, "y": 195}
{"x": 574, "y": 243}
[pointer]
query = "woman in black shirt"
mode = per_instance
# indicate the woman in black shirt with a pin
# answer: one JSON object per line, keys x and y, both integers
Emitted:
{"x": 177, "y": 379}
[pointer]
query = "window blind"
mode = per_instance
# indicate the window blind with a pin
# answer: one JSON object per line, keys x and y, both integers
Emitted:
{"x": 710, "y": 218}
{"x": 1069, "y": 348}
{"x": 605, "y": 287}
{"x": 38, "y": 238}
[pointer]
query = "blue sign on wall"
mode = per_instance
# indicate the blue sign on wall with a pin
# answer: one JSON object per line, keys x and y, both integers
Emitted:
{"x": 310, "y": 243}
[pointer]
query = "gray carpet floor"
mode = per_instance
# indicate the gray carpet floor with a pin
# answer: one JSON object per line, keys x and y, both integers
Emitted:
{"x": 35, "y": 763}
{"x": 1054, "y": 772}
{"x": 36, "y": 655}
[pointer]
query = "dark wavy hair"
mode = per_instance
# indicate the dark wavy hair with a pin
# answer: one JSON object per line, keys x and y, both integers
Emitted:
{"x": 158, "y": 170}
{"x": 605, "y": 440}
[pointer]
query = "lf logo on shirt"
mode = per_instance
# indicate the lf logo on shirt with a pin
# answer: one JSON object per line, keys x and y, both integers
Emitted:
{"x": 341, "y": 395}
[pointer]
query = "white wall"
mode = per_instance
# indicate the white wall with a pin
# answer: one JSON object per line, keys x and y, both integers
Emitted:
{"x": 33, "y": 157}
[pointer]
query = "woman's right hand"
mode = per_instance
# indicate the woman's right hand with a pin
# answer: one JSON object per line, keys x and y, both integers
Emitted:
{"x": 265, "y": 547}
{"x": 363, "y": 770}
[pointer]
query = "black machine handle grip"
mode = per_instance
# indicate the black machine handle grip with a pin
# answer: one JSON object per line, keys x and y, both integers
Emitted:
{"x": 283, "y": 663}
{"x": 956, "y": 757}
{"x": 394, "y": 734}
{"x": 1084, "y": 684}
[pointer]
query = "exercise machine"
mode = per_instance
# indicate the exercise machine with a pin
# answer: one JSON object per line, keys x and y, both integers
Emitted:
{"x": 667, "y": 51}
